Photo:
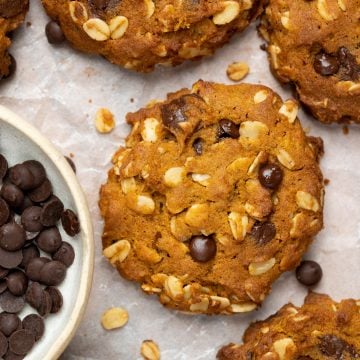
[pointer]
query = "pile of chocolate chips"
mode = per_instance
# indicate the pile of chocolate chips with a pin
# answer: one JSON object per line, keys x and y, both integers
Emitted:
{"x": 33, "y": 257}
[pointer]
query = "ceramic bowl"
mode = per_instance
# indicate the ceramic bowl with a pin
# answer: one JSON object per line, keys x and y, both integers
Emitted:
{"x": 20, "y": 141}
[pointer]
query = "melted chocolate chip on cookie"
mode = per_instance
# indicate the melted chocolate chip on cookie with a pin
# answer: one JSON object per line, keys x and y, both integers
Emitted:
{"x": 198, "y": 146}
{"x": 333, "y": 346}
{"x": 263, "y": 232}
{"x": 202, "y": 248}
{"x": 270, "y": 176}
{"x": 326, "y": 64}
{"x": 350, "y": 69}
{"x": 228, "y": 129}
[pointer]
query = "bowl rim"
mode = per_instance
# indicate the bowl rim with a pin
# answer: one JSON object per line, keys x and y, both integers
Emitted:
{"x": 87, "y": 237}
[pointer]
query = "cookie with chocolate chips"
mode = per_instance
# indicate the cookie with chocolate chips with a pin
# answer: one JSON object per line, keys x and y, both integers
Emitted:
{"x": 12, "y": 14}
{"x": 217, "y": 192}
{"x": 139, "y": 34}
{"x": 314, "y": 45}
{"x": 320, "y": 329}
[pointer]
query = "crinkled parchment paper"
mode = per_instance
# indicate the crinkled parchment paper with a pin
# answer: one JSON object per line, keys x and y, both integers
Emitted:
{"x": 59, "y": 90}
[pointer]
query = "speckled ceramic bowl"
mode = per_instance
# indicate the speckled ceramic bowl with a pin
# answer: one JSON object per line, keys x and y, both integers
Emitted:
{"x": 19, "y": 141}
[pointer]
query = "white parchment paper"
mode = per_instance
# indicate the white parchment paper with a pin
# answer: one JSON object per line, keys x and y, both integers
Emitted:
{"x": 59, "y": 90}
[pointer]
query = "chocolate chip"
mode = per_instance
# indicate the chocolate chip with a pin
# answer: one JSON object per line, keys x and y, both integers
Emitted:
{"x": 21, "y": 342}
{"x": 12, "y": 237}
{"x": 54, "y": 33}
{"x": 45, "y": 304}
{"x": 12, "y": 195}
{"x": 198, "y": 146}
{"x": 309, "y": 273}
{"x": 34, "y": 295}
{"x": 10, "y": 303}
{"x": 71, "y": 163}
{"x": 38, "y": 171}
{"x": 11, "y": 356}
{"x": 53, "y": 273}
{"x": 9, "y": 323}
{"x": 4, "y": 212}
{"x": 174, "y": 113}
{"x": 51, "y": 211}
{"x": 270, "y": 176}
{"x": 49, "y": 240}
{"x": 42, "y": 192}
{"x": 35, "y": 324}
{"x": 70, "y": 222}
{"x": 3, "y": 166}
{"x": 17, "y": 283}
{"x": 3, "y": 272}
{"x": 11, "y": 8}
{"x": 3, "y": 345}
{"x": 34, "y": 267}
{"x": 228, "y": 129}
{"x": 30, "y": 219}
{"x": 3, "y": 286}
{"x": 56, "y": 299}
{"x": 29, "y": 253}
{"x": 326, "y": 64}
{"x": 65, "y": 254}
{"x": 10, "y": 259}
{"x": 263, "y": 232}
{"x": 202, "y": 248}
{"x": 21, "y": 176}
{"x": 25, "y": 204}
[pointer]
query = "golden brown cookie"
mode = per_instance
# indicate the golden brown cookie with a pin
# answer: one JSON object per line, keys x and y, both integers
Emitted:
{"x": 217, "y": 192}
{"x": 321, "y": 329}
{"x": 138, "y": 34}
{"x": 12, "y": 14}
{"x": 315, "y": 46}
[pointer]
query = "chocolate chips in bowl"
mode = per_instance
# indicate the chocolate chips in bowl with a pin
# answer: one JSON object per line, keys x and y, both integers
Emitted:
{"x": 34, "y": 256}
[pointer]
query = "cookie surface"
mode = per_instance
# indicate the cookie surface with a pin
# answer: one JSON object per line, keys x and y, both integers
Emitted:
{"x": 217, "y": 192}
{"x": 12, "y": 14}
{"x": 140, "y": 34}
{"x": 320, "y": 329}
{"x": 315, "y": 46}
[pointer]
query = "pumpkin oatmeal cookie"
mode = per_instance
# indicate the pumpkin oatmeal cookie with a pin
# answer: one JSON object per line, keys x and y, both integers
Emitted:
{"x": 320, "y": 329}
{"x": 140, "y": 34}
{"x": 315, "y": 46}
{"x": 217, "y": 192}
{"x": 12, "y": 14}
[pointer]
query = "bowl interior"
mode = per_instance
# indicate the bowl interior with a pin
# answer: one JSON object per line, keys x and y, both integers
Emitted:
{"x": 20, "y": 142}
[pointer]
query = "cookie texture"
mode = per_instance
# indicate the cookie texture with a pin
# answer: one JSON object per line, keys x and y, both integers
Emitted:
{"x": 321, "y": 329}
{"x": 12, "y": 14}
{"x": 140, "y": 34}
{"x": 315, "y": 46}
{"x": 216, "y": 193}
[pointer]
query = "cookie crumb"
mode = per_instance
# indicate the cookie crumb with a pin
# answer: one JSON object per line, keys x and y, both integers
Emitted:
{"x": 345, "y": 130}
{"x": 114, "y": 318}
{"x": 326, "y": 182}
{"x": 237, "y": 71}
{"x": 104, "y": 121}
{"x": 28, "y": 24}
{"x": 150, "y": 350}
{"x": 132, "y": 100}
